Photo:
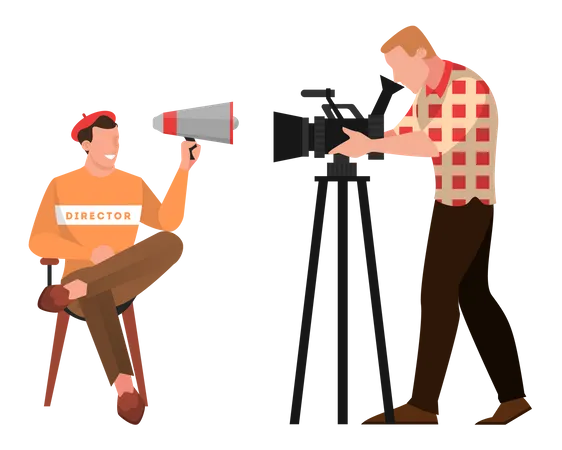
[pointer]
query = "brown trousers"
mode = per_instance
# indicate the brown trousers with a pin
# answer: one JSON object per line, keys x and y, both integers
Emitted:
{"x": 456, "y": 274}
{"x": 114, "y": 282}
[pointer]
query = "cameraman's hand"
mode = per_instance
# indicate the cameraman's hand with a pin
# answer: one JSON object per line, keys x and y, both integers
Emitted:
{"x": 357, "y": 145}
{"x": 389, "y": 132}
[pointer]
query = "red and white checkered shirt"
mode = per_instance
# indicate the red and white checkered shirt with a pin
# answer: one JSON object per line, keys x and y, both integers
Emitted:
{"x": 461, "y": 118}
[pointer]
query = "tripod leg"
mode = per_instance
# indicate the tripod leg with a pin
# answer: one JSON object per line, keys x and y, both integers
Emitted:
{"x": 342, "y": 303}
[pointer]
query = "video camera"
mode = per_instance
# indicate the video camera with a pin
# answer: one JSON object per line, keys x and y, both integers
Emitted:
{"x": 332, "y": 109}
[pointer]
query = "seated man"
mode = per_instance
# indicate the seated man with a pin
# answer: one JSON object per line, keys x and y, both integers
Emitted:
{"x": 90, "y": 218}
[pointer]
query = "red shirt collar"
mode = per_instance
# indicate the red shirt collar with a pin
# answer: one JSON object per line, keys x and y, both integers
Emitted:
{"x": 442, "y": 86}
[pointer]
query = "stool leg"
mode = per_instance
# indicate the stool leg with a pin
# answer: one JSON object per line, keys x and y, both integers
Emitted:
{"x": 133, "y": 340}
{"x": 58, "y": 343}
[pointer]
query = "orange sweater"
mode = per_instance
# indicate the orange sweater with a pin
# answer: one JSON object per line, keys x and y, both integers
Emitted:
{"x": 80, "y": 212}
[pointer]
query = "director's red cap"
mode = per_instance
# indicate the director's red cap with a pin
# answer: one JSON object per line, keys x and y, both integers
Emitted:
{"x": 89, "y": 120}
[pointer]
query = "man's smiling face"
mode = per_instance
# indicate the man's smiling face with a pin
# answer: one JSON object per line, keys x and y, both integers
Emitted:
{"x": 104, "y": 146}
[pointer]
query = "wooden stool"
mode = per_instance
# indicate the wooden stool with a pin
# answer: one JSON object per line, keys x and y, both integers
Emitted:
{"x": 62, "y": 325}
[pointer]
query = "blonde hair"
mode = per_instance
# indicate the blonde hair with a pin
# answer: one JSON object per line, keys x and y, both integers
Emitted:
{"x": 410, "y": 39}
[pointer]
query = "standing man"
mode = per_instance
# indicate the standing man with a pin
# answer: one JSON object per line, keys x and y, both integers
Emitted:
{"x": 454, "y": 121}
{"x": 90, "y": 218}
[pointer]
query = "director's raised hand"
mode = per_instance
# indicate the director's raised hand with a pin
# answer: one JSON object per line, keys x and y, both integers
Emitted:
{"x": 186, "y": 161}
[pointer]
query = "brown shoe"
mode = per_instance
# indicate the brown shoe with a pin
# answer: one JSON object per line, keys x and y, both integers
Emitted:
{"x": 406, "y": 414}
{"x": 53, "y": 298}
{"x": 130, "y": 407}
{"x": 507, "y": 412}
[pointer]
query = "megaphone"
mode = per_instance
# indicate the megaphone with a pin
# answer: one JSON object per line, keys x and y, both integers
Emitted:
{"x": 210, "y": 123}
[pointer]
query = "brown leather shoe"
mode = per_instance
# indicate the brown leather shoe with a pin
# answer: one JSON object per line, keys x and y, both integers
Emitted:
{"x": 505, "y": 414}
{"x": 54, "y": 298}
{"x": 406, "y": 414}
{"x": 130, "y": 407}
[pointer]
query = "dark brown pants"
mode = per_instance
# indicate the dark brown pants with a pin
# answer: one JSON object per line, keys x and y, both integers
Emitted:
{"x": 456, "y": 273}
{"x": 114, "y": 282}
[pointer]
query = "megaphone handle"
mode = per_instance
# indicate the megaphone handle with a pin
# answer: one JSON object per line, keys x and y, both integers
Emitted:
{"x": 191, "y": 148}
